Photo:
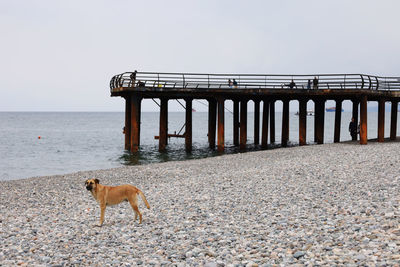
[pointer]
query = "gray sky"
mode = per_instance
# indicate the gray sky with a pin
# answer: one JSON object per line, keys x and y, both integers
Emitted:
{"x": 60, "y": 55}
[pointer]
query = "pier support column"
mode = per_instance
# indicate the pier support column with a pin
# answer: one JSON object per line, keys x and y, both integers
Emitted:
{"x": 355, "y": 114}
{"x": 235, "y": 122}
{"x": 221, "y": 124}
{"x": 188, "y": 125}
{"x": 393, "y": 120}
{"x": 319, "y": 121}
{"x": 243, "y": 124}
{"x": 302, "y": 122}
{"x": 127, "y": 128}
{"x": 163, "y": 124}
{"x": 264, "y": 134}
{"x": 381, "y": 120}
{"x": 363, "y": 120}
{"x": 135, "y": 123}
{"x": 272, "y": 121}
{"x": 256, "y": 122}
{"x": 212, "y": 120}
{"x": 285, "y": 123}
{"x": 338, "y": 120}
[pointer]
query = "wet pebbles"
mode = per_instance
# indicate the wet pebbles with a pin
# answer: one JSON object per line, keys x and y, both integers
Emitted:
{"x": 334, "y": 204}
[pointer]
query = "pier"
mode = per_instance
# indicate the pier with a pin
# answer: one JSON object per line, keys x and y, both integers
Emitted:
{"x": 259, "y": 88}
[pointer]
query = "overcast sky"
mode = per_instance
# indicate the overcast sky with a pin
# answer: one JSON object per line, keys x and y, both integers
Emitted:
{"x": 60, "y": 55}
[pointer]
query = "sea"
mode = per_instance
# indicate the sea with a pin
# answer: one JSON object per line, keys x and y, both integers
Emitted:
{"x": 50, "y": 143}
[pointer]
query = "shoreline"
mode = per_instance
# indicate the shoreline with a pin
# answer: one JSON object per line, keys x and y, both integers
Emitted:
{"x": 232, "y": 151}
{"x": 319, "y": 204}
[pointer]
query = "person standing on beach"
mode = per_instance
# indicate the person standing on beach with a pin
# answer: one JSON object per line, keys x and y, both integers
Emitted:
{"x": 315, "y": 83}
{"x": 353, "y": 129}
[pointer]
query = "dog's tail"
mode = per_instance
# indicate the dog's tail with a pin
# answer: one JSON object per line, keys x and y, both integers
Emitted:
{"x": 144, "y": 199}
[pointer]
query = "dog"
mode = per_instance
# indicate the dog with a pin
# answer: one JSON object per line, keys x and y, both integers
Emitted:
{"x": 112, "y": 195}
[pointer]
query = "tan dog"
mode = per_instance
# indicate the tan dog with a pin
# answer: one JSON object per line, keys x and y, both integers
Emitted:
{"x": 112, "y": 195}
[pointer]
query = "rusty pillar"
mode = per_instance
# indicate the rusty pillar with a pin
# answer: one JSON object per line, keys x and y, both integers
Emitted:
{"x": 319, "y": 122}
{"x": 285, "y": 123}
{"x": 243, "y": 124}
{"x": 302, "y": 122}
{"x": 127, "y": 128}
{"x": 188, "y": 125}
{"x": 338, "y": 120}
{"x": 381, "y": 120}
{"x": 355, "y": 114}
{"x": 163, "y": 125}
{"x": 363, "y": 120}
{"x": 256, "y": 122}
{"x": 393, "y": 120}
{"x": 221, "y": 124}
{"x": 264, "y": 134}
{"x": 272, "y": 121}
{"x": 135, "y": 123}
{"x": 212, "y": 120}
{"x": 235, "y": 122}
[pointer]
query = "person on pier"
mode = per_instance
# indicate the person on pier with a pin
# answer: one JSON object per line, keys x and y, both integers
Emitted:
{"x": 308, "y": 84}
{"x": 133, "y": 78}
{"x": 291, "y": 85}
{"x": 315, "y": 83}
{"x": 235, "y": 84}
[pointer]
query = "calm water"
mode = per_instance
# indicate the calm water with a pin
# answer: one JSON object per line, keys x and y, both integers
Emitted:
{"x": 93, "y": 140}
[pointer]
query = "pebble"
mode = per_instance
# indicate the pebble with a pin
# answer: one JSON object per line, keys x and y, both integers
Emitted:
{"x": 299, "y": 254}
{"x": 326, "y": 205}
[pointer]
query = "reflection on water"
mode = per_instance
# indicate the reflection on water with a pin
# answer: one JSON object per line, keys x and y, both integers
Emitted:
{"x": 150, "y": 154}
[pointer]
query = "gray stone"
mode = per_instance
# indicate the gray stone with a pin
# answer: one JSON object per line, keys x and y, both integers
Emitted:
{"x": 299, "y": 254}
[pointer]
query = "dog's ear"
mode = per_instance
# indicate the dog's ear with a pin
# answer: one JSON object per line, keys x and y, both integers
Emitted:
{"x": 86, "y": 182}
{"x": 96, "y": 181}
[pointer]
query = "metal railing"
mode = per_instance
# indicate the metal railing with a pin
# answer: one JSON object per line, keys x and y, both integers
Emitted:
{"x": 252, "y": 81}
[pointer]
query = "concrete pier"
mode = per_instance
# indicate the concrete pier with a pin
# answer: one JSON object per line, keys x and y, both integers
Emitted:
{"x": 266, "y": 89}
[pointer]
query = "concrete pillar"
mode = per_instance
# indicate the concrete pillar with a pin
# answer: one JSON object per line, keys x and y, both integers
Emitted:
{"x": 338, "y": 120}
{"x": 163, "y": 125}
{"x": 127, "y": 128}
{"x": 243, "y": 124}
{"x": 188, "y": 125}
{"x": 264, "y": 134}
{"x": 236, "y": 122}
{"x": 272, "y": 121}
{"x": 256, "y": 122}
{"x": 221, "y": 124}
{"x": 381, "y": 120}
{"x": 285, "y": 123}
{"x": 319, "y": 122}
{"x": 135, "y": 123}
{"x": 393, "y": 120}
{"x": 355, "y": 114}
{"x": 363, "y": 120}
{"x": 212, "y": 120}
{"x": 302, "y": 122}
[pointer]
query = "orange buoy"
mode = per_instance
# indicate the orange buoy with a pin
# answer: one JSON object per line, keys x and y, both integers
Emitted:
{"x": 39, "y": 137}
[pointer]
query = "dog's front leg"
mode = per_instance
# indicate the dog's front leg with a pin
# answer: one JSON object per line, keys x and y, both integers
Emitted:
{"x": 102, "y": 212}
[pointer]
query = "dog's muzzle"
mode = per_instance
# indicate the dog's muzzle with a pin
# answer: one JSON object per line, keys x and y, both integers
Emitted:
{"x": 89, "y": 187}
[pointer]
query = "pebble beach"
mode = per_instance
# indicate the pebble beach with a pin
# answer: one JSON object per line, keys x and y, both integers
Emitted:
{"x": 319, "y": 205}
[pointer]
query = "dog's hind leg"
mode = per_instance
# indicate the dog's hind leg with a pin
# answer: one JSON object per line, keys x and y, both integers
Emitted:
{"x": 133, "y": 202}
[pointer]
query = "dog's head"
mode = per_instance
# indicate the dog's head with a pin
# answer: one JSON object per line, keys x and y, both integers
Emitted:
{"x": 91, "y": 184}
